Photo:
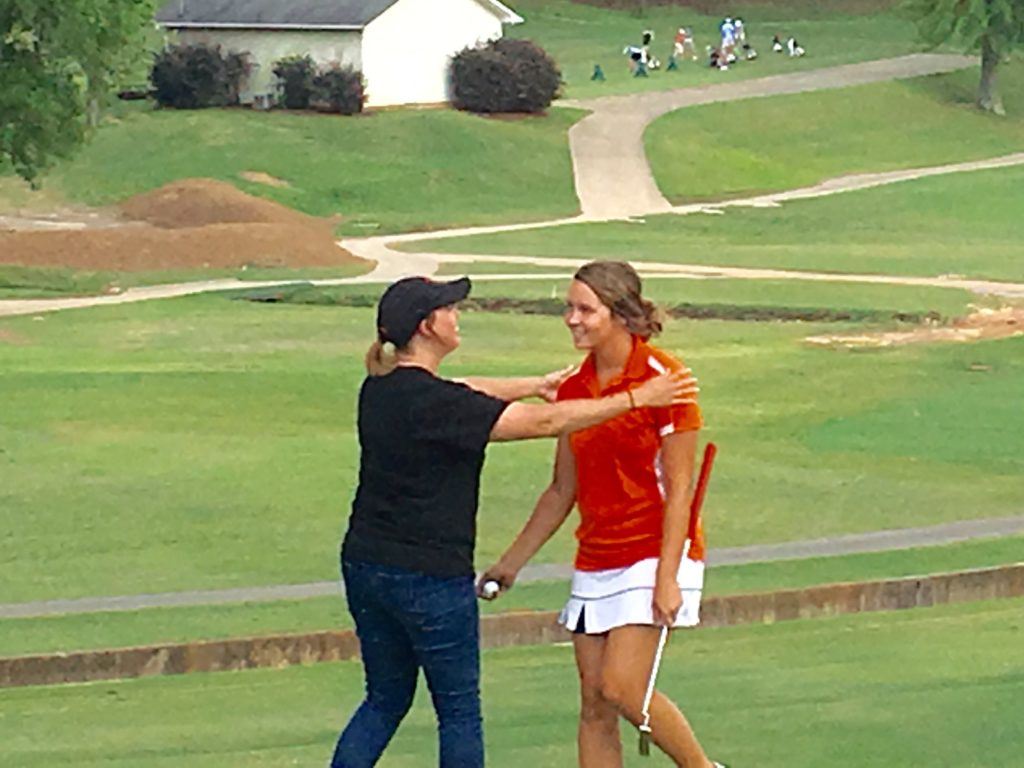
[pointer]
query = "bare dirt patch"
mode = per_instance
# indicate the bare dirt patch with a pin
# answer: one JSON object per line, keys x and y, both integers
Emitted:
{"x": 196, "y": 223}
{"x": 984, "y": 324}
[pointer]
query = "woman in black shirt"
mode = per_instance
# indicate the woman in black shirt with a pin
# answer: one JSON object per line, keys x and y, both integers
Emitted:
{"x": 407, "y": 558}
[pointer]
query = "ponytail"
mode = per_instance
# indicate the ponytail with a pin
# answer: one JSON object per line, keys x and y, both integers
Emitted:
{"x": 381, "y": 358}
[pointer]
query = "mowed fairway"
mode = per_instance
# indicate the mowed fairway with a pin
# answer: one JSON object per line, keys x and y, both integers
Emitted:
{"x": 965, "y": 224}
{"x": 204, "y": 442}
{"x": 931, "y": 687}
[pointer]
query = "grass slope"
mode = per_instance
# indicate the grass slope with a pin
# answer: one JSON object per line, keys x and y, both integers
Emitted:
{"x": 579, "y": 36}
{"x": 384, "y": 172}
{"x": 714, "y": 152}
{"x": 846, "y": 692}
{"x": 204, "y": 443}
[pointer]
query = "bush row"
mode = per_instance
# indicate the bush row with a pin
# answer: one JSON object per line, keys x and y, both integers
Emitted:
{"x": 334, "y": 88}
{"x": 505, "y": 75}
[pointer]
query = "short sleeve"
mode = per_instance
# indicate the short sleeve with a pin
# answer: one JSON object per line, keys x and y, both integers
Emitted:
{"x": 458, "y": 416}
{"x": 679, "y": 418}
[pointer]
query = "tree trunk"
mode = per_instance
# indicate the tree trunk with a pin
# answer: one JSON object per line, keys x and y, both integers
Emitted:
{"x": 988, "y": 91}
{"x": 92, "y": 112}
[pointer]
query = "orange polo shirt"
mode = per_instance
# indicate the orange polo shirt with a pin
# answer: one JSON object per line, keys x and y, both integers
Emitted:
{"x": 619, "y": 491}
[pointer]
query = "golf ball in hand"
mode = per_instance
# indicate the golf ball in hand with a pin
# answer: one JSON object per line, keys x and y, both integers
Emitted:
{"x": 490, "y": 589}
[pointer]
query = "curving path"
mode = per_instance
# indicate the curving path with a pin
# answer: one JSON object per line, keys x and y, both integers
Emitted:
{"x": 613, "y": 176}
{"x": 613, "y": 181}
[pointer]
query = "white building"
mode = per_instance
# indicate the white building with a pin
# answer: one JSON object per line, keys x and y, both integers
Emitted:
{"x": 402, "y": 47}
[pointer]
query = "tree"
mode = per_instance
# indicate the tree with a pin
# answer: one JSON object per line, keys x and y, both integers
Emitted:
{"x": 58, "y": 63}
{"x": 992, "y": 27}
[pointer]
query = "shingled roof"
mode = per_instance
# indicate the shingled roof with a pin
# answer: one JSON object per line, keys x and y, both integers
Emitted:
{"x": 287, "y": 14}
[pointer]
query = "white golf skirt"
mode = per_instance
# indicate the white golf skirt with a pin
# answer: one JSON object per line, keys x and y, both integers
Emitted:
{"x": 621, "y": 596}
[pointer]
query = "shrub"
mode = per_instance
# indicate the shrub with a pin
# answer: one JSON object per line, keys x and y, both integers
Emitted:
{"x": 504, "y": 76}
{"x": 295, "y": 76}
{"x": 339, "y": 90}
{"x": 198, "y": 76}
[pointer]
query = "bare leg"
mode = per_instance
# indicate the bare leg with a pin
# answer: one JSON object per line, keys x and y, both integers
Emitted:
{"x": 627, "y": 661}
{"x": 599, "y": 743}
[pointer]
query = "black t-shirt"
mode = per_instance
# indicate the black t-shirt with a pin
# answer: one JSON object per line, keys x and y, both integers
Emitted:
{"x": 422, "y": 440}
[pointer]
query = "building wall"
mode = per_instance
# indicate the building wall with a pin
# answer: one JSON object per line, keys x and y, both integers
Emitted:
{"x": 407, "y": 49}
{"x": 267, "y": 46}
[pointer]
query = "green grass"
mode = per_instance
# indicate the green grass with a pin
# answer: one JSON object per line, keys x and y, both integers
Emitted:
{"x": 579, "y": 36}
{"x": 45, "y": 282}
{"x": 382, "y": 172}
{"x": 404, "y": 170}
{"x": 167, "y": 625}
{"x": 937, "y": 687}
{"x": 711, "y": 153}
{"x": 901, "y": 229}
{"x": 206, "y": 443}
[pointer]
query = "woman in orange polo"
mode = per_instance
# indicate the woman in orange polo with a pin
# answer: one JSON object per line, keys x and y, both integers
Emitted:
{"x": 631, "y": 479}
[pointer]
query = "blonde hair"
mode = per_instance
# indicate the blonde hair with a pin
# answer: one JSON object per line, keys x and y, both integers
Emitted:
{"x": 381, "y": 358}
{"x": 618, "y": 287}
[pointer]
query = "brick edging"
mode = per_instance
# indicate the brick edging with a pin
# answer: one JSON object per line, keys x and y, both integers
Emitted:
{"x": 524, "y": 628}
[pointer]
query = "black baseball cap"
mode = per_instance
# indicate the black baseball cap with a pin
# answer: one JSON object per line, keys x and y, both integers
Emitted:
{"x": 410, "y": 301}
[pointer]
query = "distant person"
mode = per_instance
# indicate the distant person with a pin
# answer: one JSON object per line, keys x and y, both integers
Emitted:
{"x": 637, "y": 57}
{"x": 649, "y": 60}
{"x": 741, "y": 39}
{"x": 777, "y": 45}
{"x": 728, "y": 46}
{"x": 407, "y": 559}
{"x": 684, "y": 46}
{"x": 794, "y": 48}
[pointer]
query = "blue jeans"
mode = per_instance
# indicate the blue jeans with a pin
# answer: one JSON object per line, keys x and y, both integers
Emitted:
{"x": 406, "y": 621}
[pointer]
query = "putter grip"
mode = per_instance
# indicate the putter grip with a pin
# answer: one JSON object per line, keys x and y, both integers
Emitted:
{"x": 710, "y": 451}
{"x": 645, "y": 744}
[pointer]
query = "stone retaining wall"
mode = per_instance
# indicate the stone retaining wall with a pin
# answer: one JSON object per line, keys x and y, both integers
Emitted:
{"x": 531, "y": 628}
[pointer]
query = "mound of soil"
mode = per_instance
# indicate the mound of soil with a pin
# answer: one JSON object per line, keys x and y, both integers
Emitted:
{"x": 198, "y": 202}
{"x": 191, "y": 224}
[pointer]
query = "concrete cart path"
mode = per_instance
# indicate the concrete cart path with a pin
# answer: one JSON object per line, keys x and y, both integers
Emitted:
{"x": 875, "y": 541}
{"x": 612, "y": 172}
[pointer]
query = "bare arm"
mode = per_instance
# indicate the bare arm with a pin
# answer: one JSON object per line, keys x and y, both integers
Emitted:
{"x": 678, "y": 452}
{"x": 550, "y": 512}
{"x": 506, "y": 389}
{"x": 521, "y": 421}
{"x": 520, "y": 388}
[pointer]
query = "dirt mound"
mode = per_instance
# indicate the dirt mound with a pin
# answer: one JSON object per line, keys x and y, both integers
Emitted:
{"x": 198, "y": 202}
{"x": 1002, "y": 323}
{"x": 192, "y": 224}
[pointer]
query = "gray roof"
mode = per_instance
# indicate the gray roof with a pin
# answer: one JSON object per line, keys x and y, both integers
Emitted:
{"x": 272, "y": 13}
{"x": 307, "y": 14}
